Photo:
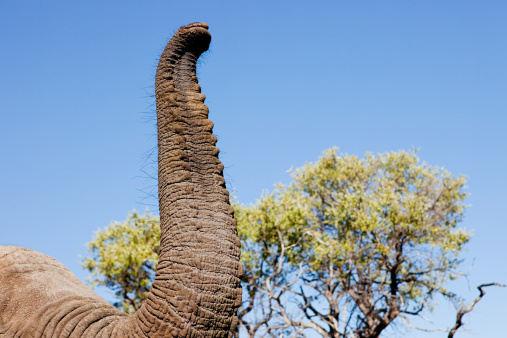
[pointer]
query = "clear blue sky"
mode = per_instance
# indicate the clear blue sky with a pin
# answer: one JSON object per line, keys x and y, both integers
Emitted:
{"x": 284, "y": 81}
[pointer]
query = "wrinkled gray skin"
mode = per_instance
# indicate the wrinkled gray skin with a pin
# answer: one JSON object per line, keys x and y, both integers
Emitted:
{"x": 197, "y": 290}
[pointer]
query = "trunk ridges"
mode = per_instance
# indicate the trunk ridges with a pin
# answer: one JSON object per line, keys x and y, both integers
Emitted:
{"x": 197, "y": 288}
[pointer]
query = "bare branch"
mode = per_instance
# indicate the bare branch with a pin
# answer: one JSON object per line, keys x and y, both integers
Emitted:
{"x": 464, "y": 311}
{"x": 420, "y": 328}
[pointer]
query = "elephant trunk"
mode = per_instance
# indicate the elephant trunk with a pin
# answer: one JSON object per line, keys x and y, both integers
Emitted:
{"x": 197, "y": 289}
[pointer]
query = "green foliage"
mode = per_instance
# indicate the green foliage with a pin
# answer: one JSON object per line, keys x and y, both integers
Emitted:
{"x": 354, "y": 242}
{"x": 346, "y": 248}
{"x": 124, "y": 258}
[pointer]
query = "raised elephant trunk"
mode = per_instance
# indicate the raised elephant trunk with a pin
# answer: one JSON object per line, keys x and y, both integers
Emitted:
{"x": 199, "y": 266}
{"x": 196, "y": 292}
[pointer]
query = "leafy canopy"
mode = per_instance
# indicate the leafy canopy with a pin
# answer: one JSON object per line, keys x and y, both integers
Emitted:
{"x": 124, "y": 257}
{"x": 353, "y": 243}
{"x": 343, "y": 250}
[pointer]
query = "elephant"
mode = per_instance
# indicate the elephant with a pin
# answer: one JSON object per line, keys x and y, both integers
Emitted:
{"x": 197, "y": 289}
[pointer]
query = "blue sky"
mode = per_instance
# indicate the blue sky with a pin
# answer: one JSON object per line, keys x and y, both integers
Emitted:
{"x": 284, "y": 81}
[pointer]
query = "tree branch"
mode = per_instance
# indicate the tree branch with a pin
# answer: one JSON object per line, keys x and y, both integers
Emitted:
{"x": 464, "y": 311}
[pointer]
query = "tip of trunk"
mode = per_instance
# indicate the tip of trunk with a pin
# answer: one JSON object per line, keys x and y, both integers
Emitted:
{"x": 193, "y": 38}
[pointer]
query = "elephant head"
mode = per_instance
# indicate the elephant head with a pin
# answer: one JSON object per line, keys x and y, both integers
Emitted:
{"x": 196, "y": 292}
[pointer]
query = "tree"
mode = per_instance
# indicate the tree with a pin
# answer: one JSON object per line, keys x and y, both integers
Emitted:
{"x": 347, "y": 248}
{"x": 124, "y": 257}
{"x": 353, "y": 243}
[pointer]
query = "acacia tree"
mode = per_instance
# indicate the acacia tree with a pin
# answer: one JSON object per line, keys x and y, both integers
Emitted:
{"x": 345, "y": 249}
{"x": 123, "y": 258}
{"x": 350, "y": 245}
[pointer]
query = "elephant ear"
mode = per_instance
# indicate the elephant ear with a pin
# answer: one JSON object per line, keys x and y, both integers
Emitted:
{"x": 197, "y": 288}
{"x": 40, "y": 297}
